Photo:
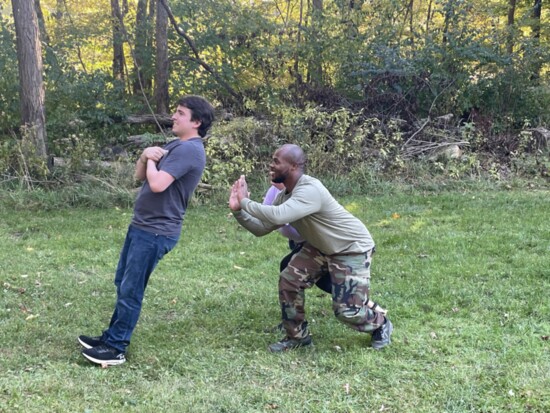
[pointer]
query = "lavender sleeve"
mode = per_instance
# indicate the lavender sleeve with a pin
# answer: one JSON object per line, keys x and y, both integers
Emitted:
{"x": 286, "y": 230}
{"x": 270, "y": 195}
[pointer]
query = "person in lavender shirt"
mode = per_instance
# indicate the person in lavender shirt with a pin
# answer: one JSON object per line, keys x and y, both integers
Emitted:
{"x": 295, "y": 240}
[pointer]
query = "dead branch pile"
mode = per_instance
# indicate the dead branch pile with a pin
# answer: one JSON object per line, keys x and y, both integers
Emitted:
{"x": 433, "y": 137}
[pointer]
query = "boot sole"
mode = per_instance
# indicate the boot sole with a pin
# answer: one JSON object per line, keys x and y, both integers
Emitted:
{"x": 112, "y": 362}
{"x": 84, "y": 344}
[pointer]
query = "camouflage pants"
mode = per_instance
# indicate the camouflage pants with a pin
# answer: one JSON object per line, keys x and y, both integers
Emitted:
{"x": 350, "y": 278}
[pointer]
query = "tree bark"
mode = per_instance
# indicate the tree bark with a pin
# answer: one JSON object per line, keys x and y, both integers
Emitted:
{"x": 296, "y": 72}
{"x": 41, "y": 24}
{"x": 162, "y": 66}
{"x": 31, "y": 86}
{"x": 411, "y": 21}
{"x": 118, "y": 41}
{"x": 315, "y": 72}
{"x": 428, "y": 17}
{"x": 162, "y": 119}
{"x": 537, "y": 66}
{"x": 142, "y": 50}
{"x": 510, "y": 26}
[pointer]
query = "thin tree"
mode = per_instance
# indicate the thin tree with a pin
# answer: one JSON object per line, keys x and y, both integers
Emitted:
{"x": 162, "y": 66}
{"x": 510, "y": 26}
{"x": 536, "y": 27}
{"x": 31, "y": 85}
{"x": 41, "y": 22}
{"x": 315, "y": 72}
{"x": 429, "y": 17}
{"x": 118, "y": 41}
{"x": 142, "y": 49}
{"x": 296, "y": 71}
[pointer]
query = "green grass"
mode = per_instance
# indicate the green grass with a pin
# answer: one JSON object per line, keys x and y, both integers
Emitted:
{"x": 464, "y": 274}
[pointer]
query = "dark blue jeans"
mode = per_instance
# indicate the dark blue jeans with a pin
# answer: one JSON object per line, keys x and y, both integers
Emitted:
{"x": 141, "y": 253}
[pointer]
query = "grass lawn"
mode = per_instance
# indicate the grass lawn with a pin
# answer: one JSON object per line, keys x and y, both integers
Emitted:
{"x": 465, "y": 277}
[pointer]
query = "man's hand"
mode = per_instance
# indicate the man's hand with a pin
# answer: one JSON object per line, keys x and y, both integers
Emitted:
{"x": 239, "y": 191}
{"x": 234, "y": 203}
{"x": 242, "y": 189}
{"x": 155, "y": 153}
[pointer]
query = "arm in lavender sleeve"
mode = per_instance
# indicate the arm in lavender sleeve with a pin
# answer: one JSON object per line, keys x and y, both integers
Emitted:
{"x": 270, "y": 195}
{"x": 290, "y": 232}
{"x": 286, "y": 230}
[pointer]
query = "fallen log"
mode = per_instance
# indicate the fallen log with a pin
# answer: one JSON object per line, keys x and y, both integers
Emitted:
{"x": 163, "y": 120}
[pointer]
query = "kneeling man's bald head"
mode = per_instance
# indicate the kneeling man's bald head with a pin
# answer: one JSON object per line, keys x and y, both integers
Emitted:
{"x": 293, "y": 154}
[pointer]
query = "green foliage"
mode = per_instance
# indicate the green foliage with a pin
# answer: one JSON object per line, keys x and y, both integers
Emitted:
{"x": 235, "y": 148}
{"x": 92, "y": 106}
{"x": 9, "y": 84}
{"x": 20, "y": 165}
{"x": 347, "y": 80}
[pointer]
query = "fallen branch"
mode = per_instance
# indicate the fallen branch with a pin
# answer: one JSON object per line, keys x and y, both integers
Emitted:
{"x": 416, "y": 133}
{"x": 164, "y": 120}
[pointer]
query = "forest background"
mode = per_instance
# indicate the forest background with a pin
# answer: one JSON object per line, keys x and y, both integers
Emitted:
{"x": 400, "y": 89}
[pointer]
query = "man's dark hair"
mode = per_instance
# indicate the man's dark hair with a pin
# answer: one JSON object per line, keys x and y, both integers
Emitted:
{"x": 201, "y": 110}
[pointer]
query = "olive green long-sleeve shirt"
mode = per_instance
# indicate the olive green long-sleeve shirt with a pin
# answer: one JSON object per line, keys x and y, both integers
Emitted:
{"x": 313, "y": 211}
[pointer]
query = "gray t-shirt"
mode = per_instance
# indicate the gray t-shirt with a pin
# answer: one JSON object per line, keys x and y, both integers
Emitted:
{"x": 163, "y": 212}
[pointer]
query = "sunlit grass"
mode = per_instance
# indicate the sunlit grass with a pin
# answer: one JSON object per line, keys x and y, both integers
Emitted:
{"x": 465, "y": 276}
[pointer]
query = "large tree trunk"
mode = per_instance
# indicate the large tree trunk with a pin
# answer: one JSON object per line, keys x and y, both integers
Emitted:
{"x": 161, "y": 71}
{"x": 118, "y": 41}
{"x": 31, "y": 86}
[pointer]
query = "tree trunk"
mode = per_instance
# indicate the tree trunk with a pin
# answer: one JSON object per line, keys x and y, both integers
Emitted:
{"x": 41, "y": 24}
{"x": 31, "y": 86}
{"x": 449, "y": 12}
{"x": 411, "y": 21}
{"x": 428, "y": 17}
{"x": 296, "y": 72}
{"x": 510, "y": 26}
{"x": 162, "y": 67}
{"x": 118, "y": 41}
{"x": 142, "y": 50}
{"x": 315, "y": 72}
{"x": 537, "y": 66}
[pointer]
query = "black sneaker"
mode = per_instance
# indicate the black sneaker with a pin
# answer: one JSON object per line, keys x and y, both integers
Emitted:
{"x": 89, "y": 342}
{"x": 104, "y": 354}
{"x": 289, "y": 344}
{"x": 381, "y": 337}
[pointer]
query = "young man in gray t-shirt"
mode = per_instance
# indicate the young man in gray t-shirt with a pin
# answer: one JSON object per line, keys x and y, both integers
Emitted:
{"x": 170, "y": 174}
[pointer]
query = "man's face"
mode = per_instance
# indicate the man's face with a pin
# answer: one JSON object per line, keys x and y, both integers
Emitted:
{"x": 280, "y": 168}
{"x": 182, "y": 123}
